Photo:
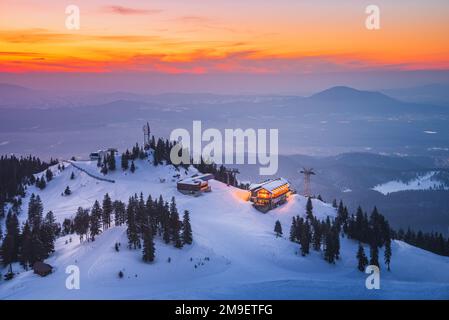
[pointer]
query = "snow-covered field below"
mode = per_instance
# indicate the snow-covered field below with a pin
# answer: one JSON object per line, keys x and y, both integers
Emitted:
{"x": 424, "y": 182}
{"x": 234, "y": 255}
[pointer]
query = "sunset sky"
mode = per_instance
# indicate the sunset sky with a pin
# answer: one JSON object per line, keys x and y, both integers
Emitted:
{"x": 222, "y": 36}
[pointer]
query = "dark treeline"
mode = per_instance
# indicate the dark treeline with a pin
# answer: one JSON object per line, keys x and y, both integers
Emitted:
{"x": 313, "y": 234}
{"x": 430, "y": 241}
{"x": 161, "y": 153}
{"x": 15, "y": 174}
{"x": 324, "y": 235}
{"x": 31, "y": 243}
{"x": 145, "y": 219}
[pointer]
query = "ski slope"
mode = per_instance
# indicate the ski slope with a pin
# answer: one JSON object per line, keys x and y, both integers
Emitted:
{"x": 235, "y": 251}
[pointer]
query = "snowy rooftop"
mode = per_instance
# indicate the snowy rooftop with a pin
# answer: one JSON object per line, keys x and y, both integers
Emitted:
{"x": 195, "y": 179}
{"x": 269, "y": 185}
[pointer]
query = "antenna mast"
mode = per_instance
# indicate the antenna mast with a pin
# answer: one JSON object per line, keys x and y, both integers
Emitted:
{"x": 307, "y": 172}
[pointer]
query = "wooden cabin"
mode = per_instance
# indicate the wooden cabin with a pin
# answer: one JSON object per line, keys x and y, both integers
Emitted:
{"x": 42, "y": 269}
{"x": 195, "y": 184}
{"x": 270, "y": 194}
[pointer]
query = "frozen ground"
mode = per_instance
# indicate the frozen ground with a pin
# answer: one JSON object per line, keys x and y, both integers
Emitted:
{"x": 235, "y": 252}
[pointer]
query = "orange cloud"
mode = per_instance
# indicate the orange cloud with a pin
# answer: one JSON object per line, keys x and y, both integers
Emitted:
{"x": 129, "y": 11}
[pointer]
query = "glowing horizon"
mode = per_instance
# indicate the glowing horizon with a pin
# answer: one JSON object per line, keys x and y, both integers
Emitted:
{"x": 222, "y": 37}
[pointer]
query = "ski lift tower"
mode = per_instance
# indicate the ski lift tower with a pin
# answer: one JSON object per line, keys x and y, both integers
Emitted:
{"x": 307, "y": 172}
{"x": 146, "y": 136}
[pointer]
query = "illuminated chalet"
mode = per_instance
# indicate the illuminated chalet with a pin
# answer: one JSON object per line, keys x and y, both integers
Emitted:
{"x": 269, "y": 194}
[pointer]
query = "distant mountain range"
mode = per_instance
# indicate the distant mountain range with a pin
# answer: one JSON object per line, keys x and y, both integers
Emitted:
{"x": 437, "y": 94}
{"x": 342, "y": 98}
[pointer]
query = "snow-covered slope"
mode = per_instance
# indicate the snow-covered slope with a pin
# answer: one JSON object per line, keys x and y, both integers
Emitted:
{"x": 235, "y": 251}
{"x": 424, "y": 182}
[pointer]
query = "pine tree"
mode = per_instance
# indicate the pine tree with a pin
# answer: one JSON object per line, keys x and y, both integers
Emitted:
{"x": 124, "y": 161}
{"x": 72, "y": 176}
{"x": 186, "y": 228}
{"x": 361, "y": 258}
{"x": 309, "y": 209}
{"x": 336, "y": 242}
{"x": 67, "y": 226}
{"x": 334, "y": 203}
{"x": 26, "y": 251}
{"x": 94, "y": 223}
{"x": 278, "y": 228}
{"x": 304, "y": 238}
{"x": 131, "y": 231}
{"x": 329, "y": 250}
{"x": 175, "y": 225}
{"x": 107, "y": 211}
{"x": 148, "y": 245}
{"x": 81, "y": 223}
{"x": 67, "y": 191}
{"x": 293, "y": 231}
{"x": 119, "y": 210}
{"x": 387, "y": 253}
{"x": 374, "y": 255}
{"x": 35, "y": 212}
{"x": 47, "y": 236}
{"x": 133, "y": 167}
{"x": 49, "y": 175}
{"x": 41, "y": 183}
{"x": 111, "y": 161}
{"x": 10, "y": 246}
{"x": 316, "y": 238}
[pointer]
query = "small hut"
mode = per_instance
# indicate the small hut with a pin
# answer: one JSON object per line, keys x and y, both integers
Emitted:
{"x": 42, "y": 269}
{"x": 195, "y": 184}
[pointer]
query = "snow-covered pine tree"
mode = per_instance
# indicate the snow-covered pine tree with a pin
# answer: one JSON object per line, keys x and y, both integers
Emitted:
{"x": 124, "y": 161}
{"x": 278, "y": 228}
{"x": 361, "y": 258}
{"x": 106, "y": 212}
{"x": 132, "y": 232}
{"x": 186, "y": 228}
{"x": 374, "y": 255}
{"x": 148, "y": 245}
{"x": 309, "y": 209}
{"x": 27, "y": 247}
{"x": 293, "y": 231}
{"x": 175, "y": 225}
{"x": 81, "y": 223}
{"x": 49, "y": 175}
{"x": 95, "y": 218}
{"x": 10, "y": 245}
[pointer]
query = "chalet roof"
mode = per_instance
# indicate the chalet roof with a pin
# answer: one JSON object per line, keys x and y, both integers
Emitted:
{"x": 195, "y": 179}
{"x": 269, "y": 185}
